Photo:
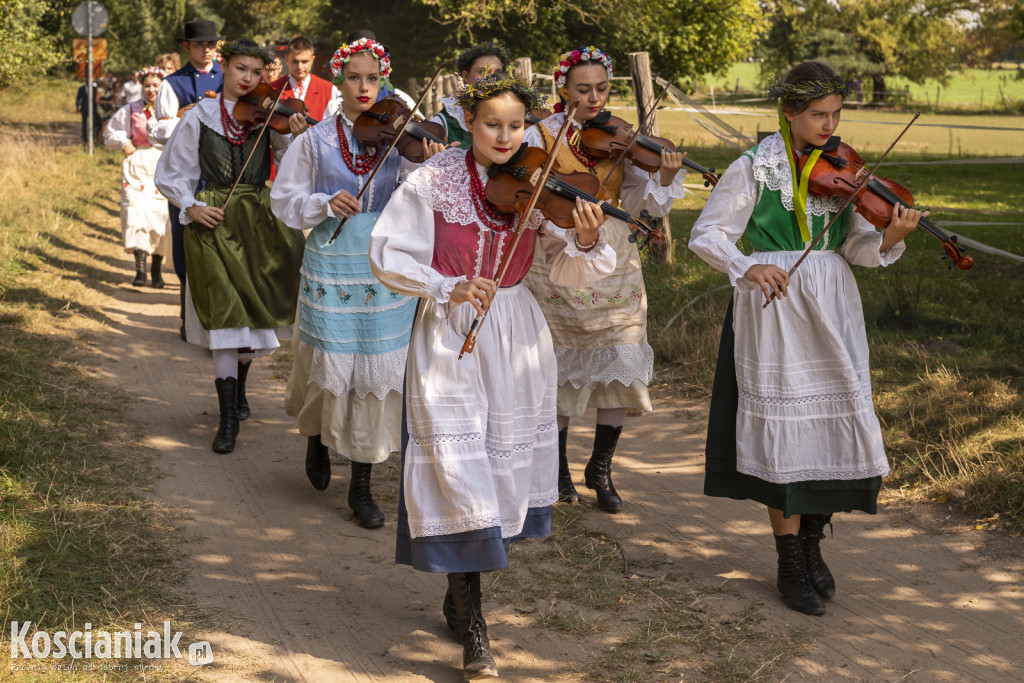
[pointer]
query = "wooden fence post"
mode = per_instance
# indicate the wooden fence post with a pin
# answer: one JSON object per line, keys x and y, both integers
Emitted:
{"x": 524, "y": 70}
{"x": 643, "y": 88}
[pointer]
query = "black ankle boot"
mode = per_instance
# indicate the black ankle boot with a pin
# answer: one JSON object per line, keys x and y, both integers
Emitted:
{"x": 451, "y": 615}
{"x": 566, "y": 491}
{"x": 477, "y": 661}
{"x": 793, "y": 583}
{"x": 812, "y": 530}
{"x": 598, "y": 474}
{"x": 181, "y": 294}
{"x": 318, "y": 463}
{"x": 140, "y": 269}
{"x": 360, "y": 499}
{"x": 157, "y": 276}
{"x": 243, "y": 402}
{"x": 227, "y": 392}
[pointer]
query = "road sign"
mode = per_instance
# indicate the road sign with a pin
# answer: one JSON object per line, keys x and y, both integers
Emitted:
{"x": 80, "y": 18}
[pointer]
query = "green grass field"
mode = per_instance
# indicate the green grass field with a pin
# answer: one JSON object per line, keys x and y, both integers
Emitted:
{"x": 971, "y": 90}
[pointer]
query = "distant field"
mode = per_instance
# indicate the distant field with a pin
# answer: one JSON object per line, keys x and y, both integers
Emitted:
{"x": 972, "y": 90}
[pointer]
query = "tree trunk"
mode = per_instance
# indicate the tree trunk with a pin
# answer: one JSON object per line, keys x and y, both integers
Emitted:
{"x": 643, "y": 88}
{"x": 879, "y": 95}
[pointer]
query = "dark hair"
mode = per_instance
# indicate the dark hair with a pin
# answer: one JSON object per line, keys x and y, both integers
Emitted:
{"x": 469, "y": 56}
{"x": 242, "y": 47}
{"x": 471, "y": 95}
{"x": 300, "y": 43}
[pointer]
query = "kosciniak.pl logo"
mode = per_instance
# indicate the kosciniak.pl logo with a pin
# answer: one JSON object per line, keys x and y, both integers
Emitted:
{"x": 89, "y": 644}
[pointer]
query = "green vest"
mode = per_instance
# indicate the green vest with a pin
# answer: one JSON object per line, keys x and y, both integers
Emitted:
{"x": 773, "y": 227}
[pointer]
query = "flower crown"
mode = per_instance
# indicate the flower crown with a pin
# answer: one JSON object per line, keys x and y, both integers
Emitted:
{"x": 488, "y": 86}
{"x": 465, "y": 60}
{"x": 150, "y": 71}
{"x": 581, "y": 54}
{"x": 807, "y": 91}
{"x": 375, "y": 49}
{"x": 241, "y": 47}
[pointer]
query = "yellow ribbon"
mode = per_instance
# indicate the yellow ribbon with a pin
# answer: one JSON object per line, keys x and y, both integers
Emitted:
{"x": 799, "y": 179}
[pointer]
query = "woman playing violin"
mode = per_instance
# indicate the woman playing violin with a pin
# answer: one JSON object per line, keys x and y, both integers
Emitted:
{"x": 346, "y": 383}
{"x": 472, "y": 64}
{"x": 792, "y": 424}
{"x": 479, "y": 470}
{"x": 600, "y": 331}
{"x": 242, "y": 262}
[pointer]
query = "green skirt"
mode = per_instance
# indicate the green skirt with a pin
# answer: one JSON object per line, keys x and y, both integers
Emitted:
{"x": 722, "y": 480}
{"x": 245, "y": 272}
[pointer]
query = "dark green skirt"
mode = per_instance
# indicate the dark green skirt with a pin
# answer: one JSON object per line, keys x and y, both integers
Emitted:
{"x": 244, "y": 273}
{"x": 721, "y": 479}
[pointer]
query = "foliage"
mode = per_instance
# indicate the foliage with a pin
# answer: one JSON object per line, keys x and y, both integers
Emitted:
{"x": 26, "y": 47}
{"x": 916, "y": 39}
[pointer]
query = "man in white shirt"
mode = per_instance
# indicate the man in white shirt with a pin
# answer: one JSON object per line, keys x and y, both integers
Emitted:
{"x": 301, "y": 84}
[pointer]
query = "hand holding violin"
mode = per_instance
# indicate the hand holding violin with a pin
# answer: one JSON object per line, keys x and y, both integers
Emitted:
{"x": 478, "y": 291}
{"x": 297, "y": 124}
{"x": 904, "y": 220}
{"x": 588, "y": 217}
{"x": 431, "y": 148}
{"x": 671, "y": 164}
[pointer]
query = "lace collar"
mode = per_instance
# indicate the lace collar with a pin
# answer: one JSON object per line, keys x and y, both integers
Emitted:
{"x": 455, "y": 111}
{"x": 442, "y": 180}
{"x": 208, "y": 111}
{"x": 771, "y": 170}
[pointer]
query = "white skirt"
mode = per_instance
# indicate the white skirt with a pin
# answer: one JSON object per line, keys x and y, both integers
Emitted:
{"x": 483, "y": 437}
{"x": 805, "y": 409}
{"x": 262, "y": 342}
{"x": 145, "y": 222}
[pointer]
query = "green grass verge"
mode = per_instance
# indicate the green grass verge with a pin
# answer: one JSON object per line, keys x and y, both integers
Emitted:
{"x": 79, "y": 541}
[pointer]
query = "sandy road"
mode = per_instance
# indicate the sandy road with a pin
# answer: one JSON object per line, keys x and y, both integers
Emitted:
{"x": 304, "y": 594}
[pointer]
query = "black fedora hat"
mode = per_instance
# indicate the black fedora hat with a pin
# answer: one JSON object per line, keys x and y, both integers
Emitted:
{"x": 200, "y": 30}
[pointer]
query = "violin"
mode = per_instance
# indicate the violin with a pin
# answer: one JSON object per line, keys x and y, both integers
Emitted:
{"x": 509, "y": 187}
{"x": 835, "y": 175}
{"x": 606, "y": 135}
{"x": 254, "y": 108}
{"x": 377, "y": 126}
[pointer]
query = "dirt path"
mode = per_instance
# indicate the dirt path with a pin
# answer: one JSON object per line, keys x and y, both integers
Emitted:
{"x": 301, "y": 593}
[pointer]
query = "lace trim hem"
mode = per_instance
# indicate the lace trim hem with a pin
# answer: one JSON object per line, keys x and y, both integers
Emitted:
{"x": 445, "y": 438}
{"x": 812, "y": 474}
{"x": 625, "y": 364}
{"x": 836, "y": 397}
{"x": 419, "y": 529}
{"x": 340, "y": 373}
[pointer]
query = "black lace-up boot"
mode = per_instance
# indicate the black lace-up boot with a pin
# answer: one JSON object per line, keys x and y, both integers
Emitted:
{"x": 812, "y": 531}
{"x": 793, "y": 583}
{"x": 360, "y": 499}
{"x": 477, "y": 661}
{"x": 227, "y": 395}
{"x": 140, "y": 269}
{"x": 243, "y": 402}
{"x": 318, "y": 463}
{"x": 155, "y": 272}
{"x": 598, "y": 474}
{"x": 566, "y": 491}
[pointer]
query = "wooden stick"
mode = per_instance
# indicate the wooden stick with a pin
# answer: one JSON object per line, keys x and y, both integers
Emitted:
{"x": 387, "y": 151}
{"x": 524, "y": 217}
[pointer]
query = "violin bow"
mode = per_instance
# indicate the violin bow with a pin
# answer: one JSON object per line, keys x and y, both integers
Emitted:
{"x": 524, "y": 217}
{"x": 387, "y": 150}
{"x": 860, "y": 184}
{"x": 252, "y": 150}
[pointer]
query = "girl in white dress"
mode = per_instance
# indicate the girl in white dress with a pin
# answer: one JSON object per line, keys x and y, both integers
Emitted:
{"x": 480, "y": 467}
{"x": 145, "y": 223}
{"x": 792, "y": 424}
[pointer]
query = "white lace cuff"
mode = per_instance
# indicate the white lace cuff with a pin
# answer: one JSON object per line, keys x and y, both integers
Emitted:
{"x": 440, "y": 287}
{"x": 662, "y": 194}
{"x": 892, "y": 254}
{"x": 184, "y": 218}
{"x": 591, "y": 254}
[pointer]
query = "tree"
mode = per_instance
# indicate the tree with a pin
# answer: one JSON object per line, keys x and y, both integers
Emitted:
{"x": 916, "y": 39}
{"x": 27, "y": 49}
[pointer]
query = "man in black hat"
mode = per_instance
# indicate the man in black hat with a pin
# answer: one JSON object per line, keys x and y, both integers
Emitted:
{"x": 185, "y": 87}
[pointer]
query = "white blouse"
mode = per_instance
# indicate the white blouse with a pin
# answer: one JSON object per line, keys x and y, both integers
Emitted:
{"x": 118, "y": 132}
{"x": 178, "y": 173}
{"x": 724, "y": 220}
